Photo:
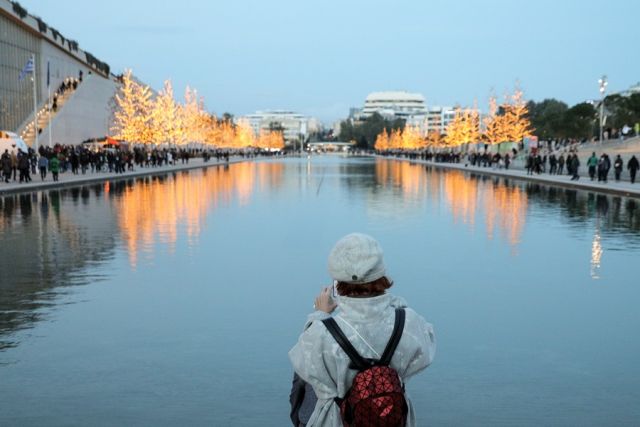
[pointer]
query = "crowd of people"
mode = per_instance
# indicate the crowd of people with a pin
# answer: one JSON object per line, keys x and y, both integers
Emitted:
{"x": 534, "y": 163}
{"x": 60, "y": 159}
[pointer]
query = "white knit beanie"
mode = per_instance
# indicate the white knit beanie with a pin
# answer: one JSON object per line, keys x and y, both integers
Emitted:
{"x": 356, "y": 258}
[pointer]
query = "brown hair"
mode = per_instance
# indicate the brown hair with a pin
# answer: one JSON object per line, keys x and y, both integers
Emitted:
{"x": 364, "y": 290}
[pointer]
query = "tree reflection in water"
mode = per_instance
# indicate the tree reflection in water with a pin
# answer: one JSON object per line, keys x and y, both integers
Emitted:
{"x": 52, "y": 239}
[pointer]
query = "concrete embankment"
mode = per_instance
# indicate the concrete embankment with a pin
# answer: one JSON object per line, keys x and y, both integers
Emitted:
{"x": 622, "y": 188}
{"x": 68, "y": 179}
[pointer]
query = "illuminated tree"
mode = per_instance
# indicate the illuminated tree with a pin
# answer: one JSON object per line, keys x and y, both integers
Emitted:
{"x": 166, "y": 118}
{"x": 455, "y": 129}
{"x": 133, "y": 107}
{"x": 395, "y": 139}
{"x": 412, "y": 138}
{"x": 244, "y": 136}
{"x": 519, "y": 126}
{"x": 471, "y": 130}
{"x": 495, "y": 125}
{"x": 382, "y": 141}
{"x": 270, "y": 140}
{"x": 194, "y": 120}
{"x": 434, "y": 139}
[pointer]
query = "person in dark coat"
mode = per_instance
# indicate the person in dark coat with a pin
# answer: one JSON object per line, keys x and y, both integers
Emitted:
{"x": 23, "y": 167}
{"x": 5, "y": 165}
{"x": 575, "y": 165}
{"x": 560, "y": 164}
{"x": 617, "y": 167}
{"x": 632, "y": 166}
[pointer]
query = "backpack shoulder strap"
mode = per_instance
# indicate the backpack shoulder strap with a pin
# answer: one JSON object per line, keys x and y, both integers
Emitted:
{"x": 398, "y": 327}
{"x": 344, "y": 343}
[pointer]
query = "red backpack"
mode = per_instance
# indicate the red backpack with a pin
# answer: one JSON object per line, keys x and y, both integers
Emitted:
{"x": 376, "y": 397}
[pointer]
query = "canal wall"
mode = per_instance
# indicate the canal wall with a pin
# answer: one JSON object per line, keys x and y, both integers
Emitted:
{"x": 67, "y": 179}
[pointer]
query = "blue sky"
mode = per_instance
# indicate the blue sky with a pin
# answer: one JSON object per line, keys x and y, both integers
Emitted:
{"x": 322, "y": 57}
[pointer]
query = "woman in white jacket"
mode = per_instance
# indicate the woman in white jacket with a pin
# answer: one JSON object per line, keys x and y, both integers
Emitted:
{"x": 366, "y": 314}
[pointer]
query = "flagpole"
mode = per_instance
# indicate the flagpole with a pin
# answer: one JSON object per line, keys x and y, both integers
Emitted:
{"x": 35, "y": 102}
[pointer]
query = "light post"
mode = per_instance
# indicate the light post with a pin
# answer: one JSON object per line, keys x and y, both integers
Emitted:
{"x": 603, "y": 88}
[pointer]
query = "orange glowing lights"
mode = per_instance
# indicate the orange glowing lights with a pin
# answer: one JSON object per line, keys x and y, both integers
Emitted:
{"x": 140, "y": 119}
{"x": 503, "y": 207}
{"x": 153, "y": 211}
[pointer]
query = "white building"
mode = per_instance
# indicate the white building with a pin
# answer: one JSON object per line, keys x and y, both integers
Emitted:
{"x": 438, "y": 118}
{"x": 294, "y": 125}
{"x": 396, "y": 104}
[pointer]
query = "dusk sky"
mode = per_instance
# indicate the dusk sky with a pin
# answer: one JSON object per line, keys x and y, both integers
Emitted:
{"x": 322, "y": 57}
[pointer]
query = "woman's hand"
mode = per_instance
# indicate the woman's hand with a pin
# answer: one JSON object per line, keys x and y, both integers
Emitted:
{"x": 324, "y": 302}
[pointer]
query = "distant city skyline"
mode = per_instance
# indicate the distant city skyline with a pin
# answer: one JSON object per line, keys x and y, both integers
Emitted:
{"x": 321, "y": 58}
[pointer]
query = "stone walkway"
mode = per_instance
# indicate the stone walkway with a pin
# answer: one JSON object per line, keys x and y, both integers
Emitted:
{"x": 68, "y": 179}
{"x": 623, "y": 188}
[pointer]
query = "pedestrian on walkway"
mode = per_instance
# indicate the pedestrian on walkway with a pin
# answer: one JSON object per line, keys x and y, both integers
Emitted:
{"x": 592, "y": 164}
{"x": 5, "y": 163}
{"x": 560, "y": 164}
{"x": 617, "y": 167}
{"x": 43, "y": 164}
{"x": 575, "y": 166}
{"x": 529, "y": 164}
{"x": 632, "y": 166}
{"x": 23, "y": 167}
{"x": 54, "y": 167}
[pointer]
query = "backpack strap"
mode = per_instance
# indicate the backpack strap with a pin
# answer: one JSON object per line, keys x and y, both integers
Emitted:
{"x": 344, "y": 343}
{"x": 398, "y": 327}
{"x": 359, "y": 362}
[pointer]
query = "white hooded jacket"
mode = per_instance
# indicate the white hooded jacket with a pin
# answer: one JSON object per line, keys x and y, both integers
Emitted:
{"x": 367, "y": 323}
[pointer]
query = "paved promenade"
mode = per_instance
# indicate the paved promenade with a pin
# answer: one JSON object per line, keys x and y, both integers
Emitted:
{"x": 622, "y": 188}
{"x": 68, "y": 179}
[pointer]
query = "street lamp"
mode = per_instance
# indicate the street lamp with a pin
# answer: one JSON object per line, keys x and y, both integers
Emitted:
{"x": 603, "y": 87}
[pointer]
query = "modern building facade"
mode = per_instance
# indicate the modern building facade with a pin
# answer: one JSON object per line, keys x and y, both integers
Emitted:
{"x": 294, "y": 126}
{"x": 397, "y": 104}
{"x": 57, "y": 58}
{"x": 410, "y": 107}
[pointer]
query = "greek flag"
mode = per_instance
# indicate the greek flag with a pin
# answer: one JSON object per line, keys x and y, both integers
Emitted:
{"x": 28, "y": 68}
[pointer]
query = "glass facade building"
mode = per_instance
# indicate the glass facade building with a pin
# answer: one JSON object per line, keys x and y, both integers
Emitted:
{"x": 16, "y": 96}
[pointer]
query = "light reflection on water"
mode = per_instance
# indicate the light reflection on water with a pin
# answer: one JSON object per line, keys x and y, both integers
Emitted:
{"x": 202, "y": 276}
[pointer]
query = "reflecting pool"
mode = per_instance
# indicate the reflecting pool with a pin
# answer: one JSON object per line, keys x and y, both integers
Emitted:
{"x": 173, "y": 300}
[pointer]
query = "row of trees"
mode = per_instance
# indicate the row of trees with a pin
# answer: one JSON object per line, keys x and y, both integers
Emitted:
{"x": 507, "y": 122}
{"x": 514, "y": 119}
{"x": 554, "y": 119}
{"x": 141, "y": 117}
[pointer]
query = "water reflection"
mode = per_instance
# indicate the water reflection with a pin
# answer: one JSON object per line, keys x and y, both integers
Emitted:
{"x": 503, "y": 206}
{"x": 54, "y": 239}
{"x": 51, "y": 239}
{"x": 154, "y": 210}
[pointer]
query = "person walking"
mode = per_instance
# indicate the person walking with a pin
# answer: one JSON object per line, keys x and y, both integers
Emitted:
{"x": 560, "y": 164}
{"x": 43, "y": 164}
{"x": 575, "y": 166}
{"x": 632, "y": 166}
{"x": 592, "y": 164}
{"x": 54, "y": 167}
{"x": 617, "y": 167}
{"x": 5, "y": 163}
{"x": 23, "y": 167}
{"x": 370, "y": 321}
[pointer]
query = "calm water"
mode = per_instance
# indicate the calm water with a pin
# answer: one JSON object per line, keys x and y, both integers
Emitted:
{"x": 174, "y": 300}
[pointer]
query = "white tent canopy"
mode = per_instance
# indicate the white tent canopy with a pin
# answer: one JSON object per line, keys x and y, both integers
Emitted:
{"x": 12, "y": 142}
